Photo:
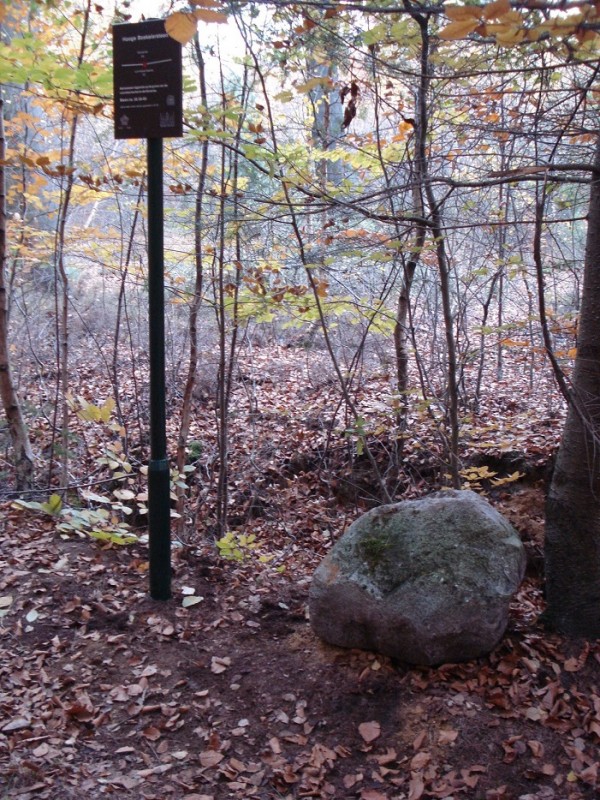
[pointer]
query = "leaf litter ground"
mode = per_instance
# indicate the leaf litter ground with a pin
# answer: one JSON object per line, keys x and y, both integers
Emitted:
{"x": 106, "y": 693}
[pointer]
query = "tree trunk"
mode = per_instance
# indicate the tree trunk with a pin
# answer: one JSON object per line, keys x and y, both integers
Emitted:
{"x": 190, "y": 381}
{"x": 18, "y": 430}
{"x": 572, "y": 549}
{"x": 62, "y": 290}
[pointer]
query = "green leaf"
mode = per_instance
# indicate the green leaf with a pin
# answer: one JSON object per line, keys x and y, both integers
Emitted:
{"x": 114, "y": 537}
{"x": 376, "y": 34}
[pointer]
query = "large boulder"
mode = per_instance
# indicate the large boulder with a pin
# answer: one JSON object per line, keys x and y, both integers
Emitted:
{"x": 425, "y": 581}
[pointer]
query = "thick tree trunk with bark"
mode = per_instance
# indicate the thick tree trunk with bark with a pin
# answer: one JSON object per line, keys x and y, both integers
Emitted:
{"x": 572, "y": 550}
{"x": 23, "y": 455}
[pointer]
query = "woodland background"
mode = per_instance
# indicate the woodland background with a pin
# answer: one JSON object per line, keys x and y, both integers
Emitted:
{"x": 404, "y": 214}
{"x": 375, "y": 253}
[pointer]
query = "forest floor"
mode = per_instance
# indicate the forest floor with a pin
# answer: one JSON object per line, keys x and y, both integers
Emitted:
{"x": 225, "y": 692}
{"x": 106, "y": 693}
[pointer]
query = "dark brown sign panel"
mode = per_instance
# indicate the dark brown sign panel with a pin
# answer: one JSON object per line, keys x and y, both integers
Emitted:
{"x": 148, "y": 83}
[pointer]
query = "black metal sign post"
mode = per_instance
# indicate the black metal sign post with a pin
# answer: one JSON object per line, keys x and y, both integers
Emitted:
{"x": 159, "y": 490}
{"x": 148, "y": 105}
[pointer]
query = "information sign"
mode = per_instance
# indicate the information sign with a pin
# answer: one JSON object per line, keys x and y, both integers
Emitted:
{"x": 148, "y": 84}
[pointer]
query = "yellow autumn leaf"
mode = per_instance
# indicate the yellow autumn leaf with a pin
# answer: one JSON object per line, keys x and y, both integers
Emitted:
{"x": 460, "y": 13}
{"x": 585, "y": 36}
{"x": 513, "y": 16}
{"x": 459, "y": 29}
{"x": 503, "y": 30}
{"x": 207, "y": 15}
{"x": 558, "y": 27}
{"x": 496, "y": 9}
{"x": 181, "y": 27}
{"x": 533, "y": 34}
{"x": 106, "y": 409}
{"x": 312, "y": 83}
{"x": 588, "y": 49}
{"x": 512, "y": 35}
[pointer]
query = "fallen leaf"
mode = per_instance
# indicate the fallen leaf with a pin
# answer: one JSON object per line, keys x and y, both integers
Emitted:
{"x": 372, "y": 794}
{"x": 351, "y": 780}
{"x": 388, "y": 757}
{"x": 210, "y": 758}
{"x": 218, "y": 664}
{"x": 16, "y": 724}
{"x": 124, "y": 494}
{"x": 447, "y": 736}
{"x": 198, "y": 797}
{"x": 191, "y": 600}
{"x": 419, "y": 740}
{"x": 416, "y": 787}
{"x": 534, "y": 714}
{"x": 151, "y": 733}
{"x": 369, "y": 731}
{"x": 537, "y": 748}
{"x": 420, "y": 760}
{"x": 571, "y": 665}
{"x": 80, "y": 712}
{"x": 575, "y": 664}
{"x": 125, "y": 781}
{"x": 159, "y": 770}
